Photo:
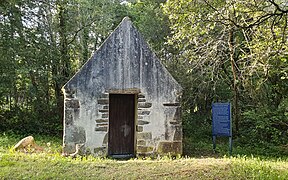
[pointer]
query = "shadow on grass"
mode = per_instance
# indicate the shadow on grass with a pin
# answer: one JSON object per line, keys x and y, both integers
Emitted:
{"x": 203, "y": 148}
{"x": 192, "y": 147}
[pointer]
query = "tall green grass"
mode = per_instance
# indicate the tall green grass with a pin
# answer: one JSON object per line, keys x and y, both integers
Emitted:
{"x": 257, "y": 168}
{"x": 51, "y": 165}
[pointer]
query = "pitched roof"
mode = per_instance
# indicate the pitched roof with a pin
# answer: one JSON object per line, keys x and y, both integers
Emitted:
{"x": 123, "y": 56}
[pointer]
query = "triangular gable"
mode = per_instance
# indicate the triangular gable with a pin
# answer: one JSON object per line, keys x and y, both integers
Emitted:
{"x": 123, "y": 53}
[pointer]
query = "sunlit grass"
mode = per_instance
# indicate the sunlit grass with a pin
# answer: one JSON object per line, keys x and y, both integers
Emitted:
{"x": 51, "y": 165}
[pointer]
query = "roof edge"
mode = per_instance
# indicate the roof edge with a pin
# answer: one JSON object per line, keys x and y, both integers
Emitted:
{"x": 125, "y": 19}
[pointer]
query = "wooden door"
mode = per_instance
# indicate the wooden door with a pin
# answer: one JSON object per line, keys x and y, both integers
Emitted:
{"x": 121, "y": 138}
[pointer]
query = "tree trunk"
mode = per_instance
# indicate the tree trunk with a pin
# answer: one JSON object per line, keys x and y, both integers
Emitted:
{"x": 236, "y": 108}
{"x": 63, "y": 68}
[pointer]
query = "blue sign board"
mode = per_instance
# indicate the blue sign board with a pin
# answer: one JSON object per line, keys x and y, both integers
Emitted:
{"x": 221, "y": 119}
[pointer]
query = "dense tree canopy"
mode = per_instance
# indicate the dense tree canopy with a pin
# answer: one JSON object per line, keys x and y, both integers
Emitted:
{"x": 219, "y": 50}
{"x": 43, "y": 43}
{"x": 235, "y": 51}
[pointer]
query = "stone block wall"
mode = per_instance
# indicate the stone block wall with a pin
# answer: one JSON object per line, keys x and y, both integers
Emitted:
{"x": 146, "y": 142}
{"x": 73, "y": 134}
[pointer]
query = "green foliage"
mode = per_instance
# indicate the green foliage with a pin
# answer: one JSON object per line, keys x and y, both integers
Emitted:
{"x": 208, "y": 37}
{"x": 265, "y": 137}
{"x": 148, "y": 17}
{"x": 42, "y": 44}
{"x": 266, "y": 125}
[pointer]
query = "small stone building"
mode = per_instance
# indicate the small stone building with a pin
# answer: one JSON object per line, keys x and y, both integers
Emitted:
{"x": 123, "y": 102}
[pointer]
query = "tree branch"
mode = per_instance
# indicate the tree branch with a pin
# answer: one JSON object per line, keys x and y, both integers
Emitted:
{"x": 278, "y": 7}
{"x": 80, "y": 29}
{"x": 284, "y": 30}
{"x": 256, "y": 22}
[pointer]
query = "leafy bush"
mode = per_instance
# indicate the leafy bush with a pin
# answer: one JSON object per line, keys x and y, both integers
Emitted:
{"x": 26, "y": 121}
{"x": 265, "y": 125}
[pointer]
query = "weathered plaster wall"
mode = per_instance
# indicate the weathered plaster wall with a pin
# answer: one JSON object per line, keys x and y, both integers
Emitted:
{"x": 123, "y": 62}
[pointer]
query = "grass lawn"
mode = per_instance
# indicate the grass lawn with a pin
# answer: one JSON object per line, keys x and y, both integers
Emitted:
{"x": 51, "y": 165}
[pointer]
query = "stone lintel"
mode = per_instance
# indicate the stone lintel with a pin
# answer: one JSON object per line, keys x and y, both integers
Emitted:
{"x": 124, "y": 91}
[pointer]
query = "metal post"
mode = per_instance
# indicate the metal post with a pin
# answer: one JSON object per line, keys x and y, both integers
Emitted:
{"x": 214, "y": 144}
{"x": 230, "y": 145}
{"x": 230, "y": 137}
